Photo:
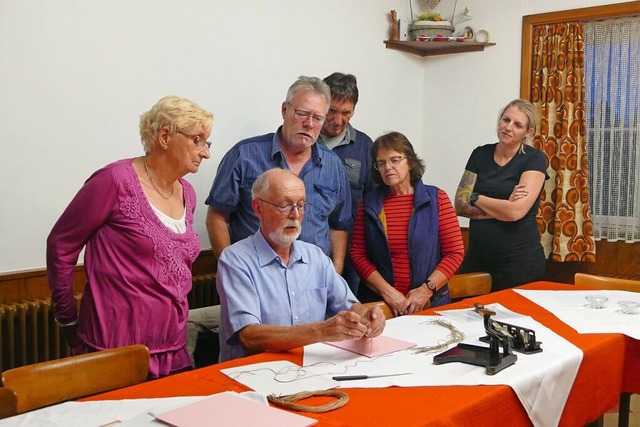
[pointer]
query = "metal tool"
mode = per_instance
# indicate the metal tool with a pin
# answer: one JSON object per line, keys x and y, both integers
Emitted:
{"x": 365, "y": 377}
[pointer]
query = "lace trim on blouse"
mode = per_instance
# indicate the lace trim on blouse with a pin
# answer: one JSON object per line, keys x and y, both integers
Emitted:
{"x": 174, "y": 252}
{"x": 177, "y": 225}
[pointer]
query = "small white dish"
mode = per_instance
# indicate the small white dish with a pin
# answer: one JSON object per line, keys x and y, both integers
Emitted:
{"x": 596, "y": 301}
{"x": 483, "y": 36}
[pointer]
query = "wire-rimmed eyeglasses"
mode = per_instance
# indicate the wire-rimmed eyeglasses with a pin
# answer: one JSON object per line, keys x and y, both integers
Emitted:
{"x": 287, "y": 208}
{"x": 303, "y": 115}
{"x": 199, "y": 142}
{"x": 393, "y": 161}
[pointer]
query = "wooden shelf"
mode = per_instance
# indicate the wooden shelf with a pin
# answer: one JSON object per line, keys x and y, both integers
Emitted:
{"x": 435, "y": 48}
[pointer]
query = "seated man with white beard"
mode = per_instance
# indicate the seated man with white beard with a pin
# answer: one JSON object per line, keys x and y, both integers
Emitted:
{"x": 277, "y": 292}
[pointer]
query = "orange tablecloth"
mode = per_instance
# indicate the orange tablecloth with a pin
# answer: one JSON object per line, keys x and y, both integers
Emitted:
{"x": 611, "y": 364}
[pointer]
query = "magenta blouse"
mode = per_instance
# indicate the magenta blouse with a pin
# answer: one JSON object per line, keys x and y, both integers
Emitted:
{"x": 138, "y": 270}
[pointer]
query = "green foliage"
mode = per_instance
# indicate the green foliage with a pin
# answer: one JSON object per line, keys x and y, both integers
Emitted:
{"x": 430, "y": 17}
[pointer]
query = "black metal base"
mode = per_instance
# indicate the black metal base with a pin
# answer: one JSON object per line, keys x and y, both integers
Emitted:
{"x": 494, "y": 362}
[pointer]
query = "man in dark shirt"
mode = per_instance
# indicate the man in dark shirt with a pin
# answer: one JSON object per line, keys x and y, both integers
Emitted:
{"x": 351, "y": 145}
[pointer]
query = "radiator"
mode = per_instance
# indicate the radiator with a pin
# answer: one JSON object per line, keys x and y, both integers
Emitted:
{"x": 203, "y": 293}
{"x": 28, "y": 334}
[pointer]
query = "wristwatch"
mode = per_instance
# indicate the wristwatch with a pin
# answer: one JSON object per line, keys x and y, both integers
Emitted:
{"x": 473, "y": 199}
{"x": 432, "y": 286}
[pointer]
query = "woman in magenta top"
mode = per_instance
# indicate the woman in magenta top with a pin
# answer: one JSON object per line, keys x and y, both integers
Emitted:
{"x": 134, "y": 218}
{"x": 406, "y": 242}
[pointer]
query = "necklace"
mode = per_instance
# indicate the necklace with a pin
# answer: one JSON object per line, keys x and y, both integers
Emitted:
{"x": 144, "y": 162}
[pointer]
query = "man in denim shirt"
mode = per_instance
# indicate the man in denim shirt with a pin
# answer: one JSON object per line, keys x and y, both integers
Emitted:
{"x": 351, "y": 145}
{"x": 230, "y": 217}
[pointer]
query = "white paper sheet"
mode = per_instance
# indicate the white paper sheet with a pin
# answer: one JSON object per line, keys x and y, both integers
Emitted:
{"x": 130, "y": 413}
{"x": 282, "y": 377}
{"x": 112, "y": 413}
{"x": 572, "y": 308}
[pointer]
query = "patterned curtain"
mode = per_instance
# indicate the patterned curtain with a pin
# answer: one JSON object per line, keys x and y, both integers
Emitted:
{"x": 557, "y": 92}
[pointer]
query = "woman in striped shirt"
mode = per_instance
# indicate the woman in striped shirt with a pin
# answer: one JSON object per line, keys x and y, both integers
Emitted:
{"x": 406, "y": 242}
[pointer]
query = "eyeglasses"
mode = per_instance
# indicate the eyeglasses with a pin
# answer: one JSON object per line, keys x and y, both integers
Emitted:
{"x": 200, "y": 143}
{"x": 287, "y": 208}
{"x": 303, "y": 115}
{"x": 393, "y": 161}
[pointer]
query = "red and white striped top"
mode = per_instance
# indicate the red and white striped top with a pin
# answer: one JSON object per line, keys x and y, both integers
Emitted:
{"x": 398, "y": 209}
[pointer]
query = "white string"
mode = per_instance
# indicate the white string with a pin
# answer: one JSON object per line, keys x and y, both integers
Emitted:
{"x": 454, "y": 337}
{"x": 299, "y": 372}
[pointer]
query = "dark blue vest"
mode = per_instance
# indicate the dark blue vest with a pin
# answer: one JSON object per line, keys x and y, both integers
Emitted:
{"x": 424, "y": 243}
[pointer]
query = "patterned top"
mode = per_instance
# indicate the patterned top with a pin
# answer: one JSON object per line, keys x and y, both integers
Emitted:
{"x": 138, "y": 270}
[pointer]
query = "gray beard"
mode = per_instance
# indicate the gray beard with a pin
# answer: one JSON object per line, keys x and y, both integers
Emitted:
{"x": 280, "y": 238}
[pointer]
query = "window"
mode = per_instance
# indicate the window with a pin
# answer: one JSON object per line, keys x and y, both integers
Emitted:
{"x": 612, "y": 89}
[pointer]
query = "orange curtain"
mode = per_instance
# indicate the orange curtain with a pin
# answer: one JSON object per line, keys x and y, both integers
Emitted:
{"x": 557, "y": 92}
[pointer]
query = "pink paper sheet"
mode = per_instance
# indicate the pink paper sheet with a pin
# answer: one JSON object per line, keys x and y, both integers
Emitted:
{"x": 373, "y": 347}
{"x": 229, "y": 409}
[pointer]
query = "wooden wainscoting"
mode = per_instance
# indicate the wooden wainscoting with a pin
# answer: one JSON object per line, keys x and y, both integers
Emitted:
{"x": 612, "y": 259}
{"x": 30, "y": 285}
{"x": 615, "y": 259}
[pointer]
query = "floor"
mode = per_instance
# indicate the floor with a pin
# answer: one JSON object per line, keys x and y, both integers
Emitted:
{"x": 611, "y": 418}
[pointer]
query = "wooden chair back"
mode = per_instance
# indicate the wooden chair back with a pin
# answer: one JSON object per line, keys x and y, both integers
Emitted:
{"x": 469, "y": 285}
{"x": 610, "y": 283}
{"x": 8, "y": 403}
{"x": 386, "y": 310}
{"x": 43, "y": 384}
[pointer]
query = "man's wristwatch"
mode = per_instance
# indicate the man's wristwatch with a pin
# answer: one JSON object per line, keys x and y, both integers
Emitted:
{"x": 473, "y": 199}
{"x": 432, "y": 286}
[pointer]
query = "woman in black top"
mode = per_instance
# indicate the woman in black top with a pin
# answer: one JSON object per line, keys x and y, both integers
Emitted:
{"x": 499, "y": 191}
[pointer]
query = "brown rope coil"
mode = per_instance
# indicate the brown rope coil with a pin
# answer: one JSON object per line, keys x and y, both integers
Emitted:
{"x": 287, "y": 402}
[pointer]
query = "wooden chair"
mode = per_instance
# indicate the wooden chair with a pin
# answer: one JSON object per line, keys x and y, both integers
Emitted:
{"x": 469, "y": 285}
{"x": 8, "y": 403}
{"x": 386, "y": 310}
{"x": 613, "y": 284}
{"x": 609, "y": 283}
{"x": 55, "y": 381}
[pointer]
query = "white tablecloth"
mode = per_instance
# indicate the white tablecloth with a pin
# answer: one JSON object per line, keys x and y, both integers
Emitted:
{"x": 572, "y": 308}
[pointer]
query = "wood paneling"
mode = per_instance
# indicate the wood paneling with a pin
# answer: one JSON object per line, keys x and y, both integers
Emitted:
{"x": 31, "y": 285}
{"x": 615, "y": 259}
{"x": 612, "y": 259}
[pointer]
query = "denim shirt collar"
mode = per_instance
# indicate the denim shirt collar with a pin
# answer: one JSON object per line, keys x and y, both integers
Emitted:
{"x": 276, "y": 153}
